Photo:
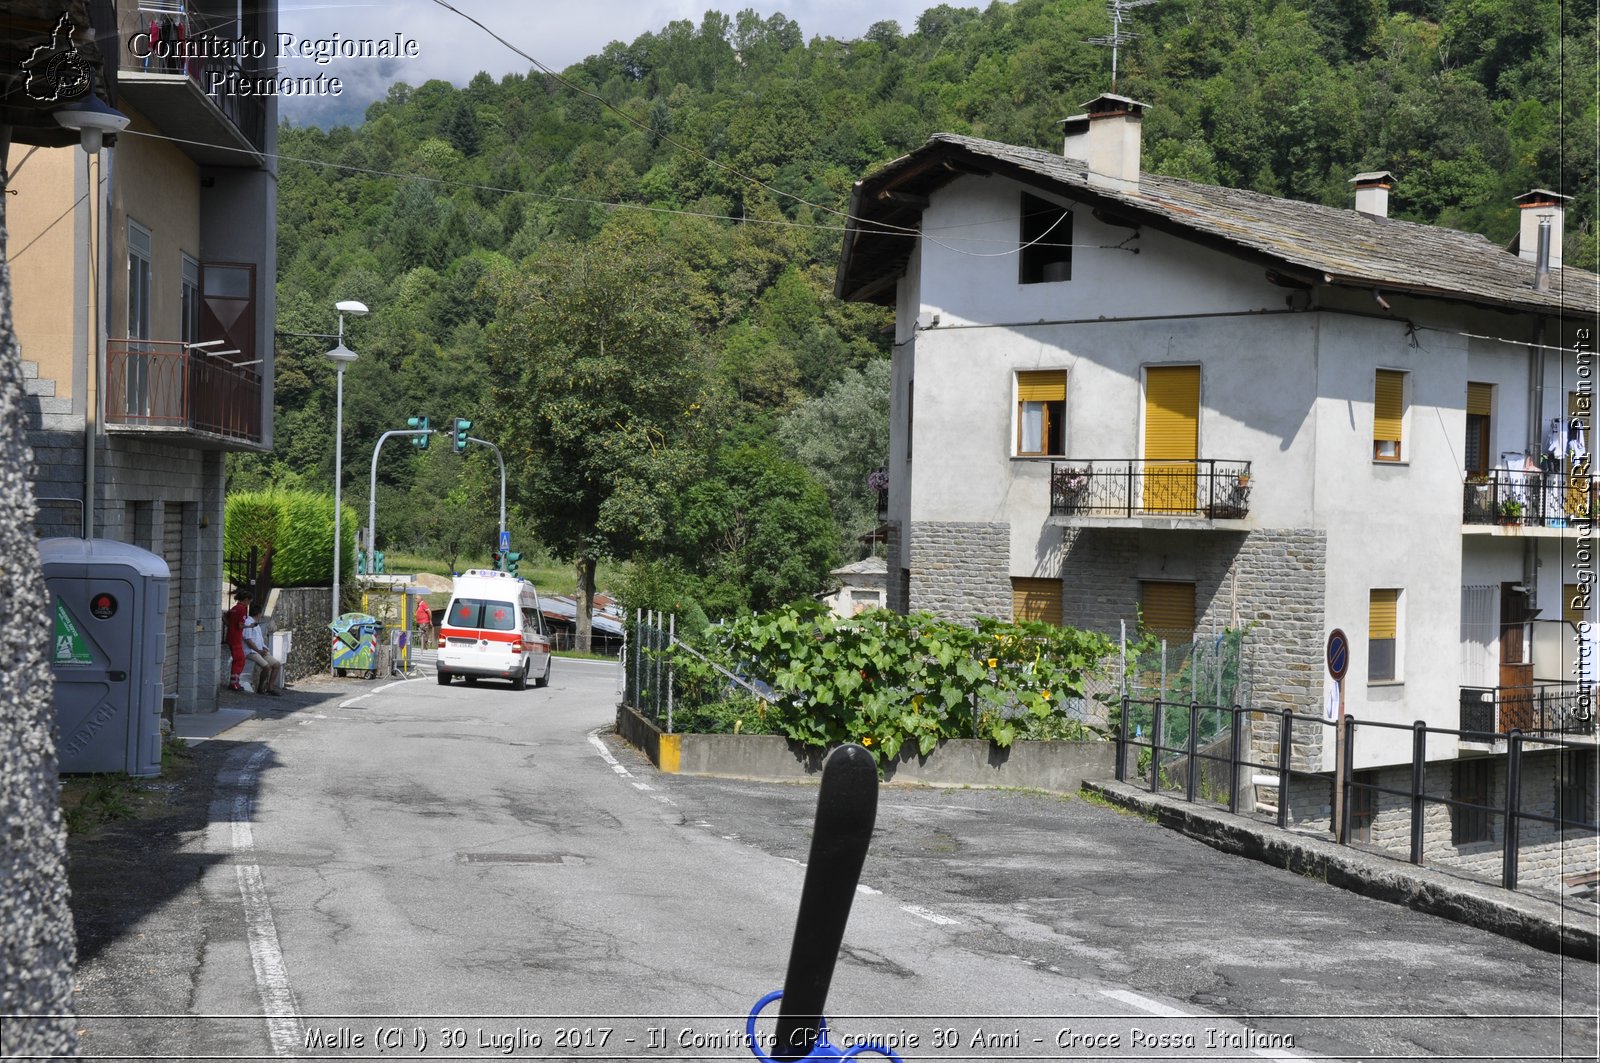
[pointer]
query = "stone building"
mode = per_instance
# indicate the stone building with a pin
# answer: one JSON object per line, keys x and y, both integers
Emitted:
{"x": 1118, "y": 395}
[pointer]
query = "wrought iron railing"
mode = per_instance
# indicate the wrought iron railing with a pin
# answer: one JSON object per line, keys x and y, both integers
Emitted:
{"x": 1553, "y": 707}
{"x": 1129, "y": 487}
{"x": 1529, "y": 499}
{"x": 164, "y": 384}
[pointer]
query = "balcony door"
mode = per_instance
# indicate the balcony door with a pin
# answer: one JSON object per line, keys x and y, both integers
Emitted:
{"x": 1516, "y": 659}
{"x": 1171, "y": 438}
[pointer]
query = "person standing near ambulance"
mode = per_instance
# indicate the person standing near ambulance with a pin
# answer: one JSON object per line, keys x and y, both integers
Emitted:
{"x": 424, "y": 623}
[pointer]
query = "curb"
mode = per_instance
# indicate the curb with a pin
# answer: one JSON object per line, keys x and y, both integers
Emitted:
{"x": 1544, "y": 924}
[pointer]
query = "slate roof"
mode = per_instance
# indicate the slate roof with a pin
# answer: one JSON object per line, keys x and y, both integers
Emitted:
{"x": 1303, "y": 242}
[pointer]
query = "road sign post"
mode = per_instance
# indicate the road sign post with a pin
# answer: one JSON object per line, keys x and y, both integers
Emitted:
{"x": 1338, "y": 665}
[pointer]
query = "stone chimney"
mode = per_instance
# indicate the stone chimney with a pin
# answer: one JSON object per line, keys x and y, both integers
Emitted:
{"x": 1106, "y": 138}
{"x": 1372, "y": 192}
{"x": 1541, "y": 203}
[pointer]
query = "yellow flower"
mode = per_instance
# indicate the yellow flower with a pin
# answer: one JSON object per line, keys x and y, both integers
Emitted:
{"x": 1045, "y": 694}
{"x": 994, "y": 662}
{"x": 867, "y": 742}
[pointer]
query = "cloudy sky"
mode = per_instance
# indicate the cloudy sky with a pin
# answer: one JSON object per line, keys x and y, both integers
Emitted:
{"x": 556, "y": 32}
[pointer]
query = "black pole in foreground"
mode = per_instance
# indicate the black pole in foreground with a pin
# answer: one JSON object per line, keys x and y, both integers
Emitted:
{"x": 847, "y": 807}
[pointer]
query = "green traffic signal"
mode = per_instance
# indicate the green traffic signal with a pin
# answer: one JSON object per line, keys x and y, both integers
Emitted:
{"x": 463, "y": 426}
{"x": 377, "y": 562}
{"x": 512, "y": 557}
{"x": 421, "y": 423}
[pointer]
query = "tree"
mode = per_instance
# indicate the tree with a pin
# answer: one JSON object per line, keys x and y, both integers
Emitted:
{"x": 840, "y": 438}
{"x": 595, "y": 380}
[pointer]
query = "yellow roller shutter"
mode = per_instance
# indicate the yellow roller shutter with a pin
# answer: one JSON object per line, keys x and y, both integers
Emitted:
{"x": 1036, "y": 599}
{"x": 1042, "y": 386}
{"x": 1574, "y": 603}
{"x": 1479, "y": 397}
{"x": 1167, "y": 608}
{"x": 1171, "y": 437}
{"x": 1388, "y": 408}
{"x": 1382, "y": 614}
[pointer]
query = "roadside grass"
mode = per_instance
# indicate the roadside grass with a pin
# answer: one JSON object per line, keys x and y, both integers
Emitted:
{"x": 1102, "y": 801}
{"x": 610, "y": 658}
{"x": 90, "y": 801}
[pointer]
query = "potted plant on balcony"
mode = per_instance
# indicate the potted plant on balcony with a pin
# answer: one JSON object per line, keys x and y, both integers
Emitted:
{"x": 1511, "y": 511}
{"x": 1069, "y": 484}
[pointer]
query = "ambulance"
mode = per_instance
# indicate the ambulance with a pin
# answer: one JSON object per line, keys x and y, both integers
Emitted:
{"x": 493, "y": 629}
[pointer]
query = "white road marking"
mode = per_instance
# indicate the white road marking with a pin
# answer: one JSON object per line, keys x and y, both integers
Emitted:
{"x": 868, "y": 890}
{"x": 605, "y": 755}
{"x": 376, "y": 690}
{"x": 932, "y": 917}
{"x": 261, "y": 931}
{"x": 1155, "y": 1007}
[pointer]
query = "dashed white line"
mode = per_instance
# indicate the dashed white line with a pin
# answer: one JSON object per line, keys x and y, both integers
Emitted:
{"x": 261, "y": 931}
{"x": 605, "y": 755}
{"x": 1155, "y": 1007}
{"x": 931, "y": 916}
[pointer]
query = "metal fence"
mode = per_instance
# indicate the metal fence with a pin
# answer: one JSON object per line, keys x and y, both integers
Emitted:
{"x": 1123, "y": 487}
{"x": 1488, "y": 817}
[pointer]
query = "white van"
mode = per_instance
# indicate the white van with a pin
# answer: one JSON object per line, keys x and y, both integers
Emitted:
{"x": 493, "y": 628}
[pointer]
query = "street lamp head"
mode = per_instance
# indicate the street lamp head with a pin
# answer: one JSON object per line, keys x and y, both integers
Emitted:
{"x": 341, "y": 355}
{"x": 93, "y": 119}
{"x": 351, "y": 307}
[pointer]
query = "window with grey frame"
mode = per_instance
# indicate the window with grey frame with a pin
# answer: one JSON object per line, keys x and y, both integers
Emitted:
{"x": 136, "y": 370}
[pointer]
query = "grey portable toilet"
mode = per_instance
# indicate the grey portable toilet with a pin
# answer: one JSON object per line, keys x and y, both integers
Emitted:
{"x": 108, "y": 605}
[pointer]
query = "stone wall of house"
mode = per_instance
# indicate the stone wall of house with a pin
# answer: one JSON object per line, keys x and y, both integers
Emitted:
{"x": 961, "y": 569}
{"x": 899, "y": 590}
{"x": 305, "y": 611}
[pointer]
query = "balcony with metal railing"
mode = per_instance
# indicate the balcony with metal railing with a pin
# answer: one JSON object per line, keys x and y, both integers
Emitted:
{"x": 164, "y": 387}
{"x": 1519, "y": 500}
{"x": 1139, "y": 489}
{"x": 1546, "y": 707}
{"x": 180, "y": 67}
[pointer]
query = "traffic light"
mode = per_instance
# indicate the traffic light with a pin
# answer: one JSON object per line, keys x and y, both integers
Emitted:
{"x": 463, "y": 426}
{"x": 420, "y": 442}
{"x": 377, "y": 562}
{"x": 497, "y": 561}
{"x": 361, "y": 562}
{"x": 512, "y": 557}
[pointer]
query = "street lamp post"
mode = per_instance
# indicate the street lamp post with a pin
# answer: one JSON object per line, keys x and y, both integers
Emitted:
{"x": 340, "y": 356}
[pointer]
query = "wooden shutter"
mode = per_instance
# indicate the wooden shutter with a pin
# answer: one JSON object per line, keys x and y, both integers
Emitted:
{"x": 1388, "y": 405}
{"x": 1036, "y": 599}
{"x": 1167, "y": 608}
{"x": 1042, "y": 386}
{"x": 1383, "y": 614}
{"x": 1478, "y": 398}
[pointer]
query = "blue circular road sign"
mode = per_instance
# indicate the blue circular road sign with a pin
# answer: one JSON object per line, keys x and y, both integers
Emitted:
{"x": 1338, "y": 653}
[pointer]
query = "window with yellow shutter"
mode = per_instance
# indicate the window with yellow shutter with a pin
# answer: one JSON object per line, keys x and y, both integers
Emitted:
{"x": 1480, "y": 398}
{"x": 1167, "y": 609}
{"x": 1042, "y": 413}
{"x": 1383, "y": 628}
{"x": 1033, "y": 598}
{"x": 1388, "y": 414}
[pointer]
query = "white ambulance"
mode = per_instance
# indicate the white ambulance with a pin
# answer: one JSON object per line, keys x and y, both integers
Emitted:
{"x": 493, "y": 628}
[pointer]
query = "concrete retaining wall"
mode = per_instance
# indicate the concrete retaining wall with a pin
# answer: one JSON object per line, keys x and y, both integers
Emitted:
{"x": 1056, "y": 766}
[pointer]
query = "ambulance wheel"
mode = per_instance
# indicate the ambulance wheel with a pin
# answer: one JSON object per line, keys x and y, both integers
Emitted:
{"x": 444, "y": 678}
{"x": 520, "y": 680}
{"x": 470, "y": 680}
{"x": 544, "y": 680}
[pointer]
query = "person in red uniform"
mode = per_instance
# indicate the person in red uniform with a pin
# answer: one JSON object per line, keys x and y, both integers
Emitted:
{"x": 233, "y": 635}
{"x": 424, "y": 623}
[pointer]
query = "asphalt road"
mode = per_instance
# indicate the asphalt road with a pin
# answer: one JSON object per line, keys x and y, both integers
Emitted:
{"x": 414, "y": 871}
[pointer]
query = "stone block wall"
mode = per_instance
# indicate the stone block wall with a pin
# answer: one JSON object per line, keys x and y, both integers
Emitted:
{"x": 304, "y": 611}
{"x": 961, "y": 569}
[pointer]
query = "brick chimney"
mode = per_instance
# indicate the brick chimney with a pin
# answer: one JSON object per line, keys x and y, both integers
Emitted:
{"x": 1541, "y": 203}
{"x": 1372, "y": 192}
{"x": 1106, "y": 138}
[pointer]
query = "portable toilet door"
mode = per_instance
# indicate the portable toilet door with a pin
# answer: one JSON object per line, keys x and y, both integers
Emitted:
{"x": 107, "y": 623}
